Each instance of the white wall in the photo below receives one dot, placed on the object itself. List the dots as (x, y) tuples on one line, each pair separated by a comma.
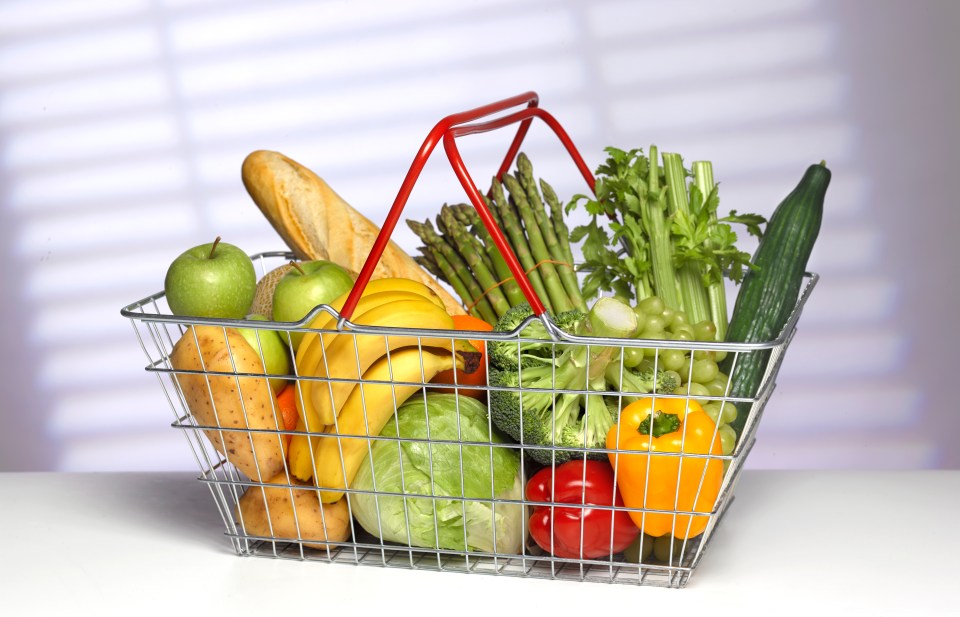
[(123, 124)]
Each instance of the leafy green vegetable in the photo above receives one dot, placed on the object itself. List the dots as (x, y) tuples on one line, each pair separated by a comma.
[(443, 491), (667, 238)]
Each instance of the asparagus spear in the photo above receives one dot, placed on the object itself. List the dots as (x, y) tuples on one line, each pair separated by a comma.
[(564, 267), (518, 241), (494, 213), (472, 255), (466, 244), (551, 279), (428, 263), (476, 241), (462, 214), (469, 217), (556, 215), (470, 292), (440, 267)]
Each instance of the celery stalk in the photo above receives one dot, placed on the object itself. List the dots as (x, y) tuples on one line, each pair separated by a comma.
[(716, 292), (693, 294), (682, 253), (652, 214)]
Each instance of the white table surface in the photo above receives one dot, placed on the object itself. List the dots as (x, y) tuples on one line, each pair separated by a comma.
[(850, 543)]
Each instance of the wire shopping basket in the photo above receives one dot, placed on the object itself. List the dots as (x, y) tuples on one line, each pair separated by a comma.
[(390, 458)]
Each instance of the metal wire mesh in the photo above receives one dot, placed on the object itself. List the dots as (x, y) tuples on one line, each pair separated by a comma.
[(229, 423)]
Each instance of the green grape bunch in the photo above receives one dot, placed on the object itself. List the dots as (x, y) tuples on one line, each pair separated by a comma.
[(697, 371)]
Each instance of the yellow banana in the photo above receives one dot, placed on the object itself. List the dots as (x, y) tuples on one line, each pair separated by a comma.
[(310, 352), (367, 410), (300, 452), (349, 355), (310, 356), (325, 321)]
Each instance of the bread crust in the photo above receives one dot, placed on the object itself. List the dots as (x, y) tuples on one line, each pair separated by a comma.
[(316, 223)]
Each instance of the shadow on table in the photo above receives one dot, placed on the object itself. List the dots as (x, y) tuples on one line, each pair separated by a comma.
[(169, 503)]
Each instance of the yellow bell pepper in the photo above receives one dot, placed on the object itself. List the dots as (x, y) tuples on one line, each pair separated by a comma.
[(661, 478)]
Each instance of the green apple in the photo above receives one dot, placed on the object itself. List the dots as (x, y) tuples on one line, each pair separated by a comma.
[(273, 351), (306, 286), (211, 280)]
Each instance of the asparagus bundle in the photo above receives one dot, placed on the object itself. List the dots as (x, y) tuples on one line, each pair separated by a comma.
[(461, 252)]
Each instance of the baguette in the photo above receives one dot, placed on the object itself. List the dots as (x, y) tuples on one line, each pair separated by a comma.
[(316, 223)]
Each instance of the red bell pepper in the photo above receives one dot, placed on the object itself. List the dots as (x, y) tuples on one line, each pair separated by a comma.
[(559, 530)]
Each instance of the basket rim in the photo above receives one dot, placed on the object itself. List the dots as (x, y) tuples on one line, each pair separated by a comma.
[(136, 311)]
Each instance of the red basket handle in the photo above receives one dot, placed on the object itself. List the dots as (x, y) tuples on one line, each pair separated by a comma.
[(448, 129)]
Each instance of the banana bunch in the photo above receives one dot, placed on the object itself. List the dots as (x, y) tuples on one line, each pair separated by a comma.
[(350, 383)]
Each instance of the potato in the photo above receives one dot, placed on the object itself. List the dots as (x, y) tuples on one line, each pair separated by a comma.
[(257, 455), (317, 522)]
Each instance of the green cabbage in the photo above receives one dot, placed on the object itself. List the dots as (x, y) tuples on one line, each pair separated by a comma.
[(459, 524)]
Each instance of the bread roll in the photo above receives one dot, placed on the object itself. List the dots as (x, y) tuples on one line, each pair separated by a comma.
[(316, 223)]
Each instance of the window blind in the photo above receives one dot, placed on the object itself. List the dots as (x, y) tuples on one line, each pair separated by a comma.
[(123, 125)]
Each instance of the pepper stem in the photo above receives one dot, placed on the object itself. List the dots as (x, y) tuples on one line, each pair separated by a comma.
[(663, 424)]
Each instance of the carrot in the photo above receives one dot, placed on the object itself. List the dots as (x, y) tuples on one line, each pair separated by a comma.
[(478, 377), (287, 406)]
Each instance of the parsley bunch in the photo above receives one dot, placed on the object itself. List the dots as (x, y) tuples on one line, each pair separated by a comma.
[(666, 240)]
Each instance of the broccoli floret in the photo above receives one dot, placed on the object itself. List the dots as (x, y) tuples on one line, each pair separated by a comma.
[(510, 354), (591, 431), (516, 315), (539, 410), (539, 415), (640, 380)]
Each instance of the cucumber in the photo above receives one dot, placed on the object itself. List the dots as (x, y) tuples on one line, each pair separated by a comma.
[(768, 294)]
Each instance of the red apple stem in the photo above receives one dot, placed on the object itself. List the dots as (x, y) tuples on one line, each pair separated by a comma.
[(297, 266), (214, 247)]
